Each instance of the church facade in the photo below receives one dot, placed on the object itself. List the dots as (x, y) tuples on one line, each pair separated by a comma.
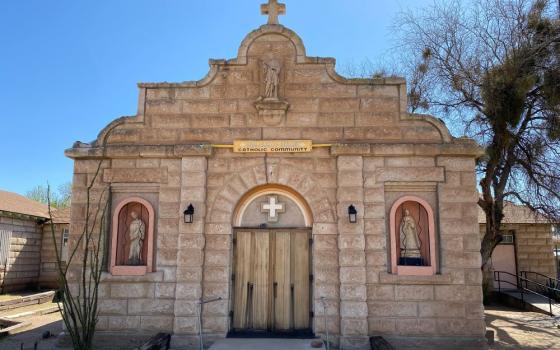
[(290, 198)]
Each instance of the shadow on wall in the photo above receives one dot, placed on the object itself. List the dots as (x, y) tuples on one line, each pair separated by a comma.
[(27, 257)]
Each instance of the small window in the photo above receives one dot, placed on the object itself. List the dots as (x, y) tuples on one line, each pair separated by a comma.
[(5, 239), (64, 245), (65, 235), (507, 238)]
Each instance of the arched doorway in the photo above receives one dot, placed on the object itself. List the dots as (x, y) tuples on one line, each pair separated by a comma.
[(272, 276)]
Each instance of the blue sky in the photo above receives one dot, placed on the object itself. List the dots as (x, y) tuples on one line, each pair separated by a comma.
[(67, 67)]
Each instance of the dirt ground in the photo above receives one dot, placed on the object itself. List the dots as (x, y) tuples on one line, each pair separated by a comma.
[(33, 333), (514, 329)]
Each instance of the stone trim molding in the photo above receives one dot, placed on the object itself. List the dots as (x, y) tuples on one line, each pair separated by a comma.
[(143, 150), (437, 123), (246, 180), (413, 270), (119, 270), (459, 147), (257, 192)]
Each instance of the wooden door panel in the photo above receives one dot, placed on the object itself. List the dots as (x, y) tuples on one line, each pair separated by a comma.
[(271, 286), (300, 279), (282, 281), (242, 279), (261, 280)]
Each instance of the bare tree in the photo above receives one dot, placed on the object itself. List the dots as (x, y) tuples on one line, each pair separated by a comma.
[(492, 66), (80, 275)]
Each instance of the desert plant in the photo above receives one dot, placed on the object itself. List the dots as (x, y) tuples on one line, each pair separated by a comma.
[(80, 276)]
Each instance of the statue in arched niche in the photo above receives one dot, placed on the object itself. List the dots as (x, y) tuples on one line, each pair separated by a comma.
[(410, 242), (136, 234), (271, 79)]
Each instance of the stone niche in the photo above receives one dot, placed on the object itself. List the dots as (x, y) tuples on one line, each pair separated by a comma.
[(412, 227), (132, 237)]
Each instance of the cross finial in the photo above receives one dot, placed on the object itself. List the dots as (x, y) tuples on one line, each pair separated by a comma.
[(273, 9)]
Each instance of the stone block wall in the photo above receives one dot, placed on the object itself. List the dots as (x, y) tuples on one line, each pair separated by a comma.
[(535, 248), (350, 261), (132, 302), (352, 257), (23, 267), (49, 271), (450, 302)]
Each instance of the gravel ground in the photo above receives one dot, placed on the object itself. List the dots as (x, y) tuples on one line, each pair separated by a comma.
[(514, 329)]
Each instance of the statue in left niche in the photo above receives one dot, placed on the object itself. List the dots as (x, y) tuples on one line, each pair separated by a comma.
[(136, 234)]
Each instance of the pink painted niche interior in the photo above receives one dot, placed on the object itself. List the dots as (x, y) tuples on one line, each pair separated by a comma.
[(132, 238), (423, 218)]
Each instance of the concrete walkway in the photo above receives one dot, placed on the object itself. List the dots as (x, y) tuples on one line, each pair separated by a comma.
[(260, 344), (521, 330), (537, 301)]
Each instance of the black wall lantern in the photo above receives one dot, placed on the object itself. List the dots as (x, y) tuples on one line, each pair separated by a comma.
[(352, 214), (188, 214)]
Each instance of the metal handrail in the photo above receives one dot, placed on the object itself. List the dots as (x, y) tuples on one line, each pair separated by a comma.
[(200, 303), (551, 280), (539, 274), (519, 285)]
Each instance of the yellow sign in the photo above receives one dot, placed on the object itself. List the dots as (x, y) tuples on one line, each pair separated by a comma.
[(273, 146)]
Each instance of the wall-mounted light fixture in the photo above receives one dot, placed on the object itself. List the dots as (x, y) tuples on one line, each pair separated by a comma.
[(188, 214), (352, 214)]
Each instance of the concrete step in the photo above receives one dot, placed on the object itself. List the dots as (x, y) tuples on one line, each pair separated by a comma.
[(263, 343), (34, 310), (18, 301), (537, 303), (7, 326)]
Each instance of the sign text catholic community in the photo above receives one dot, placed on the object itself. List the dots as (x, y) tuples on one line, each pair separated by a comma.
[(272, 146)]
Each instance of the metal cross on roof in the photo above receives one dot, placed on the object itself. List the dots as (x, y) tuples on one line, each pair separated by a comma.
[(273, 9)]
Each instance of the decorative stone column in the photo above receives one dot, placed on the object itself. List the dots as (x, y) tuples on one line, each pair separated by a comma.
[(190, 254), (352, 259)]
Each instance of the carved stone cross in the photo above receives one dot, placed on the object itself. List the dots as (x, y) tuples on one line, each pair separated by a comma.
[(273, 208), (273, 9)]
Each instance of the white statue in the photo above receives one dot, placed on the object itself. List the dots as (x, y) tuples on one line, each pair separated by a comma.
[(136, 233), (271, 80), (410, 242)]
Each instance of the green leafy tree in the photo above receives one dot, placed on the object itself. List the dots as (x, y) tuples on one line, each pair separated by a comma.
[(59, 199), (491, 68)]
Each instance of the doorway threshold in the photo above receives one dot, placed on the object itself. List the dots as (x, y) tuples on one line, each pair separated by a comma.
[(251, 333)]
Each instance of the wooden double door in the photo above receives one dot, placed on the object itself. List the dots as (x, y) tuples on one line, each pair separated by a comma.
[(272, 280)]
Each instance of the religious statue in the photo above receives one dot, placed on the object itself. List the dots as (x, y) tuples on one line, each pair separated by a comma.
[(410, 242), (136, 234), (271, 80)]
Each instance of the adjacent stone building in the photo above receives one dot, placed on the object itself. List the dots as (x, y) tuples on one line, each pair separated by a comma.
[(527, 248), (27, 259), (291, 193)]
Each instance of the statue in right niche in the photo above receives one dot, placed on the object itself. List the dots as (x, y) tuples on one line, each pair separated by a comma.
[(410, 242)]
